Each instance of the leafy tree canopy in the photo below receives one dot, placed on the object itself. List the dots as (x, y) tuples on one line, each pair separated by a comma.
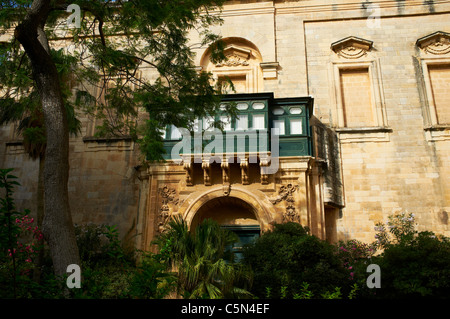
[(101, 64)]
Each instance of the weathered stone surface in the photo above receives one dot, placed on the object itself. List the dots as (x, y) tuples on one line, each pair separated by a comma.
[(394, 158)]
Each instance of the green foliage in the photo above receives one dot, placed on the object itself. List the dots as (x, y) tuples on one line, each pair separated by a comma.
[(152, 280), (109, 272), (413, 264), (104, 71), (203, 260), (336, 294), (9, 232), (20, 101), (20, 243), (287, 257), (100, 244), (355, 257), (399, 229), (304, 293)]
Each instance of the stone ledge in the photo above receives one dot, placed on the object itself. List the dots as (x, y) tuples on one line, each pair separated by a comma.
[(118, 143), (363, 134), (439, 132)]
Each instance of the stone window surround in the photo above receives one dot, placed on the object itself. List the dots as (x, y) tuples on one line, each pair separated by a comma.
[(355, 53), (433, 130), (434, 49), (380, 131)]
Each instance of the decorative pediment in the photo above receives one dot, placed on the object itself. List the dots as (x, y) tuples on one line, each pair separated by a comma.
[(436, 43), (352, 47), (235, 56)]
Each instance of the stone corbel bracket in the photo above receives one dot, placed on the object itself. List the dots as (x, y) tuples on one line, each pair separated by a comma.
[(270, 70), (264, 163), (206, 172), (244, 171)]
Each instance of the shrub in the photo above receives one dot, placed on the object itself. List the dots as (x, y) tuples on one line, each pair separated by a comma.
[(20, 242), (106, 269), (413, 264), (151, 280), (355, 256), (287, 257)]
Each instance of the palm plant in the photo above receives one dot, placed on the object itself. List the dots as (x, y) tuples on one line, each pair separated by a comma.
[(204, 261)]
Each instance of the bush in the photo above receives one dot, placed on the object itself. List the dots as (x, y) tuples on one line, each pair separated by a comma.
[(20, 244), (413, 264), (420, 268), (355, 256), (106, 268), (284, 259)]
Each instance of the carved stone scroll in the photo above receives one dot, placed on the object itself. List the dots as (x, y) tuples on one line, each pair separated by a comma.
[(168, 196), (264, 163), (244, 171), (189, 173), (225, 171), (206, 172), (286, 194)]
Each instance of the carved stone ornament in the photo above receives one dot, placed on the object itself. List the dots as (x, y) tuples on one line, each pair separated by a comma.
[(206, 172), (168, 195), (264, 163), (286, 194), (437, 43), (233, 60), (235, 56), (352, 47)]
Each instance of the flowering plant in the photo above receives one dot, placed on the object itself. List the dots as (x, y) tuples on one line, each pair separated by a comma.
[(398, 229), (19, 239), (29, 242), (354, 252)]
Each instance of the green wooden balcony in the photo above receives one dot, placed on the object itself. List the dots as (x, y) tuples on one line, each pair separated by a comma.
[(263, 124)]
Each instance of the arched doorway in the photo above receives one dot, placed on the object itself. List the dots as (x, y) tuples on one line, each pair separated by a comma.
[(227, 211), (245, 213), (252, 203), (233, 214)]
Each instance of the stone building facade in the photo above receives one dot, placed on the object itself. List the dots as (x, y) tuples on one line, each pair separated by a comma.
[(372, 82)]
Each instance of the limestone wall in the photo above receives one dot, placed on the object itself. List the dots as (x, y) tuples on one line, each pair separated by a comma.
[(397, 161)]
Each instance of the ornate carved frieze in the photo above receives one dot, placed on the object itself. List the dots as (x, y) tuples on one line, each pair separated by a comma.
[(233, 60), (352, 47), (168, 196), (437, 43), (286, 194), (235, 56)]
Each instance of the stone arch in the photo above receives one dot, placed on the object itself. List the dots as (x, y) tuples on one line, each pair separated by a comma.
[(255, 202), (242, 67)]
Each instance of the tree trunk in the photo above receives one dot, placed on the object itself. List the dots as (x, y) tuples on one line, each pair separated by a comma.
[(40, 212), (57, 224)]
